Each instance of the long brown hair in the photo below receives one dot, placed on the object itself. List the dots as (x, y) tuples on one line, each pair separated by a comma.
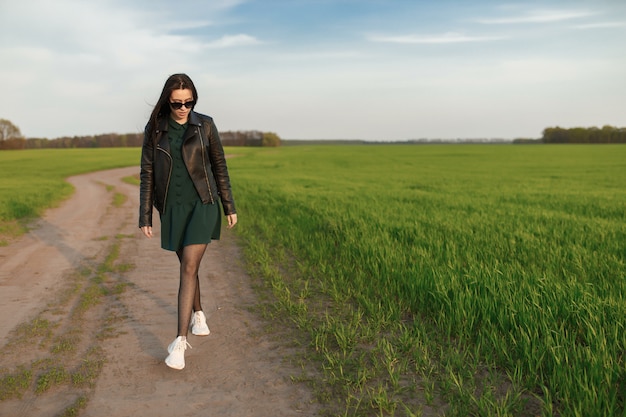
[(162, 108)]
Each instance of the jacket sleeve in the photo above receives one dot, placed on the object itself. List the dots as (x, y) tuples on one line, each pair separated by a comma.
[(146, 186), (219, 168)]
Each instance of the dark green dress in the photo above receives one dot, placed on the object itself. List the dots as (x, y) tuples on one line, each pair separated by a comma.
[(185, 220)]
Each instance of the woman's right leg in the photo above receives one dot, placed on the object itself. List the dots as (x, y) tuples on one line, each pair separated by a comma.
[(190, 257), (197, 304)]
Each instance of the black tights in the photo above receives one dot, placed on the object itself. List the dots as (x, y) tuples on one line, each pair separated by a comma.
[(189, 288)]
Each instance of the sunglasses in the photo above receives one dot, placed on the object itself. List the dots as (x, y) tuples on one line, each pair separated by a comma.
[(178, 106)]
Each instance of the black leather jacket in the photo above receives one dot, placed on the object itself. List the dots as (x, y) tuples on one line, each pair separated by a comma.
[(204, 157)]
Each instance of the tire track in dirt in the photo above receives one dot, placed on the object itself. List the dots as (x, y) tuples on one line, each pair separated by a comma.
[(238, 370)]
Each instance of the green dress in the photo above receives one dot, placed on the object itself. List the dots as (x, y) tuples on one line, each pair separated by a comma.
[(185, 220)]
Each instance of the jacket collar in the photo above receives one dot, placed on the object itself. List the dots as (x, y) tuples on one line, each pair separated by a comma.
[(194, 119)]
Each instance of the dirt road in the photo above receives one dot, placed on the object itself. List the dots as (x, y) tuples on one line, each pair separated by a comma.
[(89, 306)]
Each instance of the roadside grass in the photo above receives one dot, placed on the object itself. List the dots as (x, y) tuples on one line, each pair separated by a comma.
[(470, 280), (15, 383), (74, 409), (9, 229), (57, 334), (83, 292), (132, 180), (119, 199)]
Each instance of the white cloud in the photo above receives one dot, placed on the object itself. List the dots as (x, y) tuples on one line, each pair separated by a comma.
[(601, 25), (450, 37), (538, 16), (177, 25), (113, 60), (229, 41)]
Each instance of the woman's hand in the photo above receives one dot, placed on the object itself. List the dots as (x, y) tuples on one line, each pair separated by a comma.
[(232, 220), (147, 230)]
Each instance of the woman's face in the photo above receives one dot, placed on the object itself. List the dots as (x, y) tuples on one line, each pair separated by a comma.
[(181, 96)]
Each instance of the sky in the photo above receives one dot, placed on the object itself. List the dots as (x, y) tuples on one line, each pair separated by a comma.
[(381, 70)]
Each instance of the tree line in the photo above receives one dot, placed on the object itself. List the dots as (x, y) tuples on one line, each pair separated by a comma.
[(606, 134), (12, 138)]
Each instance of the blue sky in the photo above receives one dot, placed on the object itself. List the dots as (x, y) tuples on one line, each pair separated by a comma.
[(343, 69)]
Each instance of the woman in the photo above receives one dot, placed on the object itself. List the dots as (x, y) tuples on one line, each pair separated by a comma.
[(184, 175)]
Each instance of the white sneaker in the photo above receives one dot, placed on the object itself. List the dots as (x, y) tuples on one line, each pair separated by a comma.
[(176, 350), (198, 324)]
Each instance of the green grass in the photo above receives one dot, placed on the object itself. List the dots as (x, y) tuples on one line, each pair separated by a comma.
[(14, 384), (133, 180), (53, 376), (498, 272), (74, 409), (33, 180), (475, 280), (65, 363)]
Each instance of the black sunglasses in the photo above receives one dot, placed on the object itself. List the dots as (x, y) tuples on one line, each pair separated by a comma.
[(178, 106)]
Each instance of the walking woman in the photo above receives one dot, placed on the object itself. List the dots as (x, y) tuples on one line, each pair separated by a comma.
[(184, 176)]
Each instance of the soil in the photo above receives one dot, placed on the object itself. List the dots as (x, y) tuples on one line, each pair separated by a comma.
[(108, 356)]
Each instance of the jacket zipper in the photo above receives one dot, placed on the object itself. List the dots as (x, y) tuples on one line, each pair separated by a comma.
[(169, 175), (206, 175)]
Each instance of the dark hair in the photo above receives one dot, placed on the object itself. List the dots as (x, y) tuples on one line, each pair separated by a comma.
[(162, 108)]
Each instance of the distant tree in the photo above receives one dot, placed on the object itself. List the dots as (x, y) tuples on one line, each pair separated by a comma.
[(242, 138), (270, 139), (555, 135), (527, 141), (10, 136), (37, 143), (608, 134), (9, 131)]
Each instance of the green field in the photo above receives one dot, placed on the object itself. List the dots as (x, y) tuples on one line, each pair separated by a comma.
[(472, 279), (491, 278)]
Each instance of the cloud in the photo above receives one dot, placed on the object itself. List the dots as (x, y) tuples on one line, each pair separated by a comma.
[(601, 25), (323, 55), (103, 63), (186, 25), (230, 41), (538, 16), (445, 38)]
